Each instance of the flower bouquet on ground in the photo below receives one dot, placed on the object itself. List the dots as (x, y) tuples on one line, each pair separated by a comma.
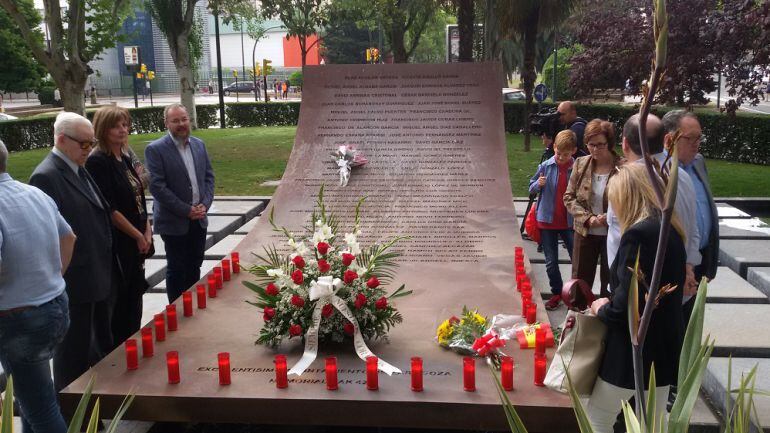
[(346, 158), (326, 288)]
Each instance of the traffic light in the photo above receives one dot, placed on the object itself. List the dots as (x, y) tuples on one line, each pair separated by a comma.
[(143, 68), (266, 68), (235, 73), (368, 55), (151, 75)]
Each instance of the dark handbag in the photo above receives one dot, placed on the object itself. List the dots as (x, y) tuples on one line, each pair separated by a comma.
[(577, 295)]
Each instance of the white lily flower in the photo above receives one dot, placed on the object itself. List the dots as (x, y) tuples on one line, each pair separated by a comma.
[(275, 272)]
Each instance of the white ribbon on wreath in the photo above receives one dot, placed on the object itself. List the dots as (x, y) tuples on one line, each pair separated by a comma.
[(323, 290)]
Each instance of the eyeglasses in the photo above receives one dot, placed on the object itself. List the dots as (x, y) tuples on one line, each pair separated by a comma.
[(597, 145), (693, 140), (84, 145)]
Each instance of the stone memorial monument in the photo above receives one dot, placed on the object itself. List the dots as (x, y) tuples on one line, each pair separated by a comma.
[(437, 172)]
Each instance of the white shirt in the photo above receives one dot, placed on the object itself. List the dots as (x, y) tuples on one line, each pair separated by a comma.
[(598, 185), (684, 207), (183, 146)]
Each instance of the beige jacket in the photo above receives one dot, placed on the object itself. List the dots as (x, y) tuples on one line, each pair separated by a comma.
[(579, 192)]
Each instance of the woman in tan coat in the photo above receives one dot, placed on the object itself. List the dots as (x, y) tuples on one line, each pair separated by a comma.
[(586, 201)]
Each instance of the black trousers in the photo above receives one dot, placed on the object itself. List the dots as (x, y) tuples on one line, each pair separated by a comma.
[(88, 340), (184, 255)]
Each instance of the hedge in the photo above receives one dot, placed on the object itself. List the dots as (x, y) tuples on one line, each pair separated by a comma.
[(744, 138)]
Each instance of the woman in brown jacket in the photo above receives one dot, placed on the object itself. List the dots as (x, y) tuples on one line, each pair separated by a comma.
[(586, 200)]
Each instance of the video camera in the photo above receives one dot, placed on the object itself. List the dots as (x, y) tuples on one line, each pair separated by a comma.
[(546, 121)]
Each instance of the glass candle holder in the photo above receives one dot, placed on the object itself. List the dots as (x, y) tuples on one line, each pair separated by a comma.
[(532, 313), (212, 283), (236, 262), (132, 355), (223, 359), (372, 379), (171, 317), (524, 306), (187, 305), (226, 269), (331, 373), (218, 276), (201, 292), (160, 327), (147, 344), (281, 372), (540, 368), (469, 374), (540, 340), (416, 374), (172, 364), (506, 373)]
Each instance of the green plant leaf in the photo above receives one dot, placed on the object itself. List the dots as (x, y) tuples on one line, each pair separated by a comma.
[(113, 427), (80, 412), (632, 423), (6, 425), (514, 421), (693, 336), (93, 422), (687, 392), (584, 424), (651, 416)]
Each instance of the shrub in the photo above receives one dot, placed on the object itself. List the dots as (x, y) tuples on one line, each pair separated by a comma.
[(296, 79), (45, 95), (262, 114), (563, 67)]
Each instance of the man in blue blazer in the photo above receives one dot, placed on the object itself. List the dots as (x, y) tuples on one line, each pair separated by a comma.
[(182, 184)]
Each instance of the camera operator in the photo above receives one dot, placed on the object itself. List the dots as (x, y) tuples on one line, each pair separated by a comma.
[(569, 118)]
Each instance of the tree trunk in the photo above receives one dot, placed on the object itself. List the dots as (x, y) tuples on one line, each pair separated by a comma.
[(465, 21), (303, 49), (181, 56), (528, 75), (72, 95), (397, 43)]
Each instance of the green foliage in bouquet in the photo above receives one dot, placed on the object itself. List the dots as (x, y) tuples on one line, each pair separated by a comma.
[(283, 282), (460, 333)]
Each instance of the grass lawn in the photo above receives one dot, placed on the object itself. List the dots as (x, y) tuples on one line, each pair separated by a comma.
[(243, 158)]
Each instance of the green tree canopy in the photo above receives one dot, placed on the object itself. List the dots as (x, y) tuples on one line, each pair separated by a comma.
[(19, 70)]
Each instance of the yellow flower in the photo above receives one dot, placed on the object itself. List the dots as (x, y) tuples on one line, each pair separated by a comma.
[(479, 318), (444, 331)]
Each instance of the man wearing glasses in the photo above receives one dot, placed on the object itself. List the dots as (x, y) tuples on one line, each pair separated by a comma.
[(688, 144), (62, 175)]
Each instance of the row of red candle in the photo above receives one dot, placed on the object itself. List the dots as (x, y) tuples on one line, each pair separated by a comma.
[(529, 311), (372, 375), (170, 318)]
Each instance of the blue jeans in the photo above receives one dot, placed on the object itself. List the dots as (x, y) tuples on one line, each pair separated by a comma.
[(550, 241), (184, 257), (28, 339)]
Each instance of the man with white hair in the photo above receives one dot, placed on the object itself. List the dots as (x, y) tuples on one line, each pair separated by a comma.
[(62, 175), (35, 249)]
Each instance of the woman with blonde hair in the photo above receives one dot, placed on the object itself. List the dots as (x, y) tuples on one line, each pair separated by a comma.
[(586, 200), (633, 200), (111, 167)]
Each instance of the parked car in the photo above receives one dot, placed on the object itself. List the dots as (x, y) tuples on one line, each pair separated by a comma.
[(510, 94), (4, 116), (239, 87)]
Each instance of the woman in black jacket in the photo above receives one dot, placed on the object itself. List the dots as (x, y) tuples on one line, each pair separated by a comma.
[(632, 196), (111, 168)]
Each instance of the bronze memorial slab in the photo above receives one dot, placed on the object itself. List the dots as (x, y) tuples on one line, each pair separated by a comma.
[(437, 172)]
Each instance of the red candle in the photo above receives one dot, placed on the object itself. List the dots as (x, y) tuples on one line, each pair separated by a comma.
[(506, 372), (171, 316), (540, 363), (469, 374), (281, 374), (524, 306), (172, 363), (147, 345), (540, 340), (371, 373), (518, 251), (201, 291), (331, 373), (218, 276), (187, 303), (224, 368), (520, 282), (416, 374), (212, 280), (132, 355), (526, 285), (236, 260), (520, 269), (160, 327), (532, 313), (226, 269)]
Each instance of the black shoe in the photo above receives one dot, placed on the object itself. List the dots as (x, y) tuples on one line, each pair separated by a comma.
[(539, 248)]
